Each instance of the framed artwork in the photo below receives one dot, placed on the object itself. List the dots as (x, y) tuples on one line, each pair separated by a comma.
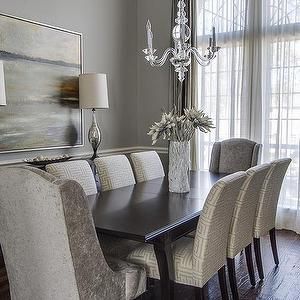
[(41, 68)]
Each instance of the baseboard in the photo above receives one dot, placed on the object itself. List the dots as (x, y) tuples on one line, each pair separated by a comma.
[(105, 152)]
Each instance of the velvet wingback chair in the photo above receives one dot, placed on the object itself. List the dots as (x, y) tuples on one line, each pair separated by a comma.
[(50, 246), (233, 155)]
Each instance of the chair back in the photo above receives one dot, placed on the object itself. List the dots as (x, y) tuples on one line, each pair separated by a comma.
[(241, 233), (147, 165), (210, 244), (114, 172), (49, 242), (234, 155), (78, 170), (269, 196)]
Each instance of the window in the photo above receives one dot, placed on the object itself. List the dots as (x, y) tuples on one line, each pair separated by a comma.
[(281, 90), (252, 89), (220, 84)]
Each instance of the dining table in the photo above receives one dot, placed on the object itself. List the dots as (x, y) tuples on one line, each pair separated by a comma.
[(147, 212)]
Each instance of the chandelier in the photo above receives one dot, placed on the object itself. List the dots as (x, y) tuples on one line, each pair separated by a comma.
[(182, 52)]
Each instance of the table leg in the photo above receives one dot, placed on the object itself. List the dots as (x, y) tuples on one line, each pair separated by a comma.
[(166, 271)]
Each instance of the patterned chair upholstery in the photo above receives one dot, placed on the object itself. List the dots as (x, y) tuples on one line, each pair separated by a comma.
[(114, 172), (78, 170), (267, 205), (50, 246), (197, 260), (241, 233), (147, 165), (234, 155), (266, 210), (240, 236)]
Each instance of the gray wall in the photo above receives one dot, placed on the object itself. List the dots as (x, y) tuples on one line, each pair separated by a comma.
[(114, 35), (152, 83), (110, 43)]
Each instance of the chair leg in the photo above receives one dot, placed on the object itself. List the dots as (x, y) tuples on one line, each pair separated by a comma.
[(150, 288), (201, 293), (274, 246), (232, 278), (150, 282), (258, 259), (248, 251), (223, 284)]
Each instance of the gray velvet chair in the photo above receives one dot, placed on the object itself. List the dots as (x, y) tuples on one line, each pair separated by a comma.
[(50, 246), (233, 155)]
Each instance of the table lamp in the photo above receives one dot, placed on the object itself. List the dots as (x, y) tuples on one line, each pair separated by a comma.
[(2, 85), (93, 95)]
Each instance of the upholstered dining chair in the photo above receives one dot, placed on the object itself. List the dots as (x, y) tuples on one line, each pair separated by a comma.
[(266, 210), (78, 170), (241, 234), (147, 165), (49, 242), (234, 155), (114, 172), (197, 260)]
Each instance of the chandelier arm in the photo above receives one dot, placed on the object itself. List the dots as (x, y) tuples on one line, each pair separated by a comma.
[(202, 60), (159, 62)]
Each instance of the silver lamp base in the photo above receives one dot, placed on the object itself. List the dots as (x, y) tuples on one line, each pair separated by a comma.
[(94, 135)]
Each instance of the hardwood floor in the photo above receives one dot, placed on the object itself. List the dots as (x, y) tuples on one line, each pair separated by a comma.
[(280, 283)]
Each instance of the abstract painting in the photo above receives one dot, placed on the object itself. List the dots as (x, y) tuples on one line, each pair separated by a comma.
[(41, 68)]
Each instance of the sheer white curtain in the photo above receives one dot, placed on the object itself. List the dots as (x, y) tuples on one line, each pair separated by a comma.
[(252, 89), (220, 84), (281, 99)]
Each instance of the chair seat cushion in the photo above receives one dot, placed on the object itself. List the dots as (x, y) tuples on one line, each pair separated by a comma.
[(182, 251), (135, 276)]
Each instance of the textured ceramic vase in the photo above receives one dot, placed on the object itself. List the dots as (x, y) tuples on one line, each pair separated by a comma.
[(179, 167)]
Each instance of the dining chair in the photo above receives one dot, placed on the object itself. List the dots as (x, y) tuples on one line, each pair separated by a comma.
[(266, 210), (195, 261), (114, 172), (78, 170), (241, 233), (147, 165), (234, 155), (50, 246)]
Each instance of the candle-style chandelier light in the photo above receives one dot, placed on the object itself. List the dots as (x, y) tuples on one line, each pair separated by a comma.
[(182, 52)]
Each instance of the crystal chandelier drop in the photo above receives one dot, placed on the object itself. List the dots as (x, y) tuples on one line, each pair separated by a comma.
[(182, 52)]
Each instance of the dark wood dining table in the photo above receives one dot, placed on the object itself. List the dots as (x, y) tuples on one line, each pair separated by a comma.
[(149, 213)]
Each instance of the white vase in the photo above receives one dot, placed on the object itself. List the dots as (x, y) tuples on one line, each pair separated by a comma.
[(179, 167)]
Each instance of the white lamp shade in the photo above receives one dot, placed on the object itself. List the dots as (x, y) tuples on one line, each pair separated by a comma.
[(93, 91), (2, 85)]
